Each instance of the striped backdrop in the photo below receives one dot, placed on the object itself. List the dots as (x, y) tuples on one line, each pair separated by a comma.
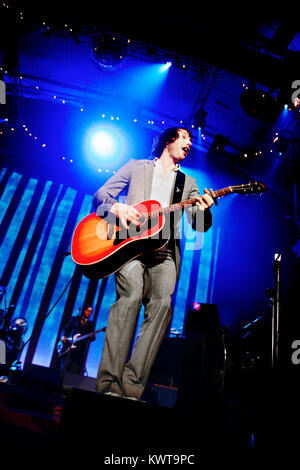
[(37, 220)]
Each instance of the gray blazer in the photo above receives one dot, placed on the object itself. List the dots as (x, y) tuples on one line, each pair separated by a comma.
[(136, 177)]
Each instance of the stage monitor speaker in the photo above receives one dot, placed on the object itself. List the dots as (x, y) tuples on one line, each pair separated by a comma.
[(82, 382), (116, 427), (201, 319), (44, 378), (202, 371), (160, 395)]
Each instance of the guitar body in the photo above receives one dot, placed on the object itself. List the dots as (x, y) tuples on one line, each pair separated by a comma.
[(63, 349), (100, 248)]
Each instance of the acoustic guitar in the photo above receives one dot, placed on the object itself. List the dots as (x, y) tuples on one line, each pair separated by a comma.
[(101, 248)]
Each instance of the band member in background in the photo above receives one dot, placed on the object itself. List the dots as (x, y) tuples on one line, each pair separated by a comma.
[(75, 357), (12, 341), (151, 278)]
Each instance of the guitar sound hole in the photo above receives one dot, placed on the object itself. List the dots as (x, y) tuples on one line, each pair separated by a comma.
[(142, 220)]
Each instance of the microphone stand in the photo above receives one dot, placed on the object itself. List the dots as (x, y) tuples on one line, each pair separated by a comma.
[(276, 311)]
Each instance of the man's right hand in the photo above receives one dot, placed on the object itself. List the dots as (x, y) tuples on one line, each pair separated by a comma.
[(126, 214)]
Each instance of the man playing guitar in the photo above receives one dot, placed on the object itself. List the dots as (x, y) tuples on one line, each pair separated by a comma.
[(150, 278), (72, 357)]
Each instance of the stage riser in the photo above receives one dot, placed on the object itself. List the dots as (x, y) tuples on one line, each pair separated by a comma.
[(125, 427)]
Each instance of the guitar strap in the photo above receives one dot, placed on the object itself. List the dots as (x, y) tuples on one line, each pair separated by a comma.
[(177, 197), (178, 187)]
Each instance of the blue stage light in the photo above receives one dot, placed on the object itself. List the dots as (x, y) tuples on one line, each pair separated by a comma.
[(102, 143), (165, 67)]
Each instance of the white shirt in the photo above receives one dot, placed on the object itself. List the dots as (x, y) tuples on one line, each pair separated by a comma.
[(162, 185)]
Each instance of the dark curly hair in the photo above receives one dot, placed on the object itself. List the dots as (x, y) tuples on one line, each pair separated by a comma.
[(165, 138)]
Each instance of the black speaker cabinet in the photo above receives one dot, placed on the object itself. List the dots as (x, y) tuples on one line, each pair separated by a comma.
[(46, 378), (113, 428), (82, 382), (113, 425), (203, 360)]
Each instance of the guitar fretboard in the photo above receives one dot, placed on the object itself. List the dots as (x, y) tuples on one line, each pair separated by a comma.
[(188, 202)]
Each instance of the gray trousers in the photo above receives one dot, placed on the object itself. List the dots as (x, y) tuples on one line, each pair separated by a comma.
[(150, 280)]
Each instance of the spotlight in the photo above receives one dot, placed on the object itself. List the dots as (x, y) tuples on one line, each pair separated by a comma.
[(196, 306), (297, 102), (102, 143), (165, 67), (109, 52)]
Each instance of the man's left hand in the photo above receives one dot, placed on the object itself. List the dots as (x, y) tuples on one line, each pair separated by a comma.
[(205, 201)]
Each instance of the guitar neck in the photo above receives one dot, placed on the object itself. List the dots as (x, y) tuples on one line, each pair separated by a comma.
[(80, 338), (188, 202)]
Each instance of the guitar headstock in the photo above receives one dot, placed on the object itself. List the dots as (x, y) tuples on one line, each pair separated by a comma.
[(250, 188)]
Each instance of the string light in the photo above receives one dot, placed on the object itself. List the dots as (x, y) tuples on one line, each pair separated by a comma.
[(104, 115), (44, 146), (146, 122), (261, 152)]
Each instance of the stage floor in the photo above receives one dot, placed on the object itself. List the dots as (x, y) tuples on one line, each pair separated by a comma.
[(45, 416)]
